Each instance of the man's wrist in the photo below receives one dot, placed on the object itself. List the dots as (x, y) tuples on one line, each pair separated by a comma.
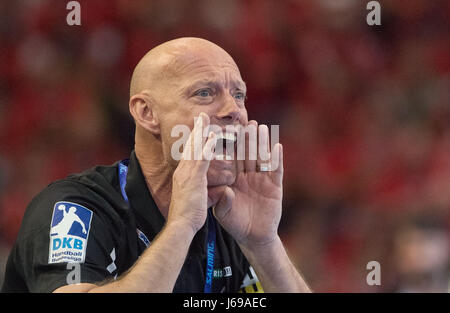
[(262, 249), (180, 227)]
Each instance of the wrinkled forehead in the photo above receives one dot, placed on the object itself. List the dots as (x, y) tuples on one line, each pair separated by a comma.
[(209, 64)]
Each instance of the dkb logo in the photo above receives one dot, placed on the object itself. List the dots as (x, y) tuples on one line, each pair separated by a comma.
[(69, 232)]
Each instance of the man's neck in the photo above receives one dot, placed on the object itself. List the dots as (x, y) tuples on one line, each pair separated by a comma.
[(157, 174)]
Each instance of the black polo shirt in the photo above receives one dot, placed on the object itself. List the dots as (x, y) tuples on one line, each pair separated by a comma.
[(84, 219)]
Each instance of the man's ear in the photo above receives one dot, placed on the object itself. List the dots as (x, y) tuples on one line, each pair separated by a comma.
[(142, 109)]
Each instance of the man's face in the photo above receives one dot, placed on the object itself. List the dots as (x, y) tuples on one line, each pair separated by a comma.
[(209, 83)]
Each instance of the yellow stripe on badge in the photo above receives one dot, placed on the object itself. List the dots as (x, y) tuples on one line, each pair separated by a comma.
[(253, 288)]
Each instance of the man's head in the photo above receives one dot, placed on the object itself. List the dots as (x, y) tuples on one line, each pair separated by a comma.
[(175, 82)]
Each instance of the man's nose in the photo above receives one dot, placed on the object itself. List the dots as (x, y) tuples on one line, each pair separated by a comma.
[(230, 111)]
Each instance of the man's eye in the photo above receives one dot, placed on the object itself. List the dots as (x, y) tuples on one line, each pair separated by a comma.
[(203, 93), (239, 96)]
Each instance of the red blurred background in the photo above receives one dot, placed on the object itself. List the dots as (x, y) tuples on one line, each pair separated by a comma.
[(364, 115)]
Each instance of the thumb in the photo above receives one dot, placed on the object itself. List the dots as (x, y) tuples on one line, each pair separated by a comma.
[(214, 195), (224, 204)]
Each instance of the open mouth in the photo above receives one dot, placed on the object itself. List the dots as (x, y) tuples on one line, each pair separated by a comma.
[(226, 146)]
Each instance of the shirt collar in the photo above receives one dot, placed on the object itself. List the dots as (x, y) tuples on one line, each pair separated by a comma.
[(140, 199)]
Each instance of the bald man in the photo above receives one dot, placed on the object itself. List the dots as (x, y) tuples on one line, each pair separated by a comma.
[(156, 223)]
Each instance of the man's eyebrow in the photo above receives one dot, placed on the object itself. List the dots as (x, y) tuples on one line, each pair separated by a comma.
[(207, 82), (241, 85), (237, 84)]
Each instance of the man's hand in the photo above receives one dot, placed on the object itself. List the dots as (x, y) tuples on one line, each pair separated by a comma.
[(189, 190), (250, 209)]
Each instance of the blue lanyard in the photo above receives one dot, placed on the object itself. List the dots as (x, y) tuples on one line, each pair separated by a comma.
[(123, 172), (210, 248), (211, 240)]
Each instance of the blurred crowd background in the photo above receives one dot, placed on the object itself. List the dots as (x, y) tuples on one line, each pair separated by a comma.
[(364, 115)]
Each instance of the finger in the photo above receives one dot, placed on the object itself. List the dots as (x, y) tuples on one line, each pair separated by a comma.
[(189, 145), (240, 149), (209, 147), (208, 153), (198, 131), (214, 194), (224, 205), (195, 141), (277, 164), (263, 160), (251, 137)]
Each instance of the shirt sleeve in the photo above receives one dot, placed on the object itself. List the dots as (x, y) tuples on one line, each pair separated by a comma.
[(64, 239)]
